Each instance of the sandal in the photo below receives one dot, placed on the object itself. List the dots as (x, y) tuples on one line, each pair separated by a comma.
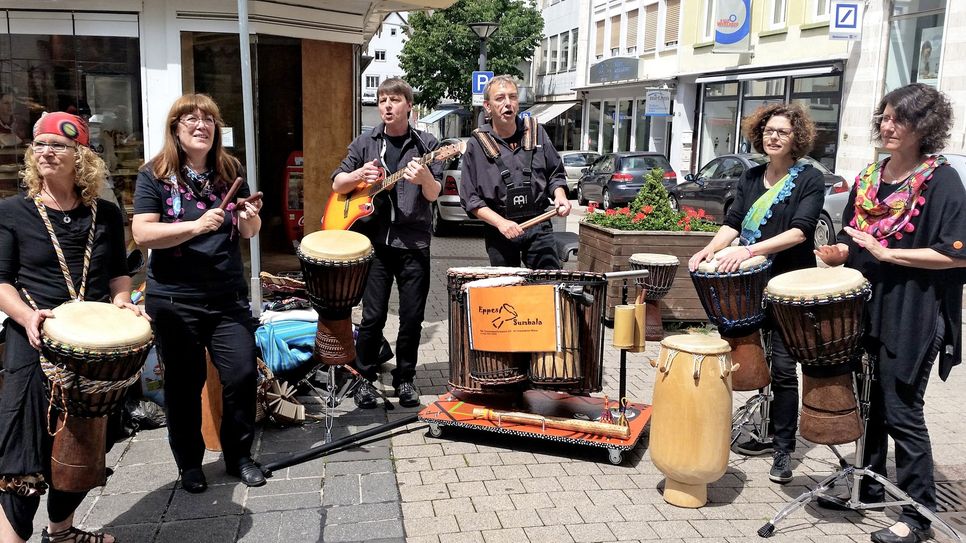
[(72, 535)]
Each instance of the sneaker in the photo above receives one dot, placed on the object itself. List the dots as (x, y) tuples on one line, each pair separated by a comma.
[(408, 395), (365, 396), (781, 468), (753, 447)]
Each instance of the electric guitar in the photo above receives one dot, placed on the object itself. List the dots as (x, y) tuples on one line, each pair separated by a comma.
[(342, 210)]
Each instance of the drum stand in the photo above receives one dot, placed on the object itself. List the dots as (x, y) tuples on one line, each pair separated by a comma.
[(758, 404), (853, 475)]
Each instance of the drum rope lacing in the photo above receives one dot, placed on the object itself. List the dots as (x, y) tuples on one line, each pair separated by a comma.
[(697, 361), (714, 307)]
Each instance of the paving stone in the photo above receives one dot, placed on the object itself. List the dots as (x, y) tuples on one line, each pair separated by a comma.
[(274, 487), (358, 466), (538, 500), (222, 529), (424, 492), (284, 502), (124, 532), (558, 516), (492, 503), (217, 501), (637, 530), (486, 520), (504, 487), (506, 535), (364, 531), (379, 487), (341, 490), (444, 524), (453, 506), (133, 508), (478, 473), (588, 533), (519, 518), (141, 478)]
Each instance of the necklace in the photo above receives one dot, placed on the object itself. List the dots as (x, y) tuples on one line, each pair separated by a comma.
[(66, 218)]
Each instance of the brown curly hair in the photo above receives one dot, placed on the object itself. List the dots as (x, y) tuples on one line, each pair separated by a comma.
[(803, 128), (924, 110), (90, 173)]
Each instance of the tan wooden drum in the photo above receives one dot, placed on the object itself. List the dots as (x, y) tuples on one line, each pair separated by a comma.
[(460, 381), (691, 416), (91, 352), (733, 304), (819, 314), (661, 270), (335, 267), (491, 368)]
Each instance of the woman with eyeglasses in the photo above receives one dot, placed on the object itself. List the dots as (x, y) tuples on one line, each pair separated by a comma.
[(774, 213), (906, 229), (197, 294), (52, 238)]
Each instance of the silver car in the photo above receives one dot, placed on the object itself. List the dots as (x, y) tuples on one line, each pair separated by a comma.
[(447, 208), (574, 162)]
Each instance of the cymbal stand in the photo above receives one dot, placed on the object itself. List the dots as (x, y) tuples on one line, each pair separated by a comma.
[(852, 475), (759, 403)]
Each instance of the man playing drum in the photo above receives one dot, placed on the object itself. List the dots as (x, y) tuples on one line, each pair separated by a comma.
[(400, 231)]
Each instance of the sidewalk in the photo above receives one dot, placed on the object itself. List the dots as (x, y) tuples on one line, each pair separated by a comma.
[(475, 486)]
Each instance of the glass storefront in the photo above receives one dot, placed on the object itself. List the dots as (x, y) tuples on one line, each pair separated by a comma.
[(564, 129), (624, 126), (607, 132), (718, 120), (624, 119), (915, 43), (84, 63), (642, 128), (593, 125)]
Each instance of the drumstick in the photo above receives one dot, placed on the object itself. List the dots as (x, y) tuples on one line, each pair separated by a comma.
[(253, 198), (231, 193), (586, 426), (538, 219)]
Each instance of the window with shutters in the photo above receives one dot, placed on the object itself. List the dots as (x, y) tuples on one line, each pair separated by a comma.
[(599, 40), (650, 27), (564, 52), (672, 21), (554, 54), (615, 35), (632, 26)]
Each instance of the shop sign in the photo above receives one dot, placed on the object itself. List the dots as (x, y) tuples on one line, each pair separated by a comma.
[(846, 20), (614, 69), (657, 103), (732, 26)]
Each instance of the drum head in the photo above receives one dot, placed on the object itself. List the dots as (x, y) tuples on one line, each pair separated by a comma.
[(337, 245), (653, 259), (696, 344), (504, 281), (96, 325), (815, 282), (711, 267), (485, 271)]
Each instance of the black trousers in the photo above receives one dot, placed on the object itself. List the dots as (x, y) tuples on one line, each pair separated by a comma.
[(784, 389), (410, 269), (535, 249), (183, 329), (896, 411)]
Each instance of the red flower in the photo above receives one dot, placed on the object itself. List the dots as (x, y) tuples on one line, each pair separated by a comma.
[(591, 207), (611, 212), (648, 209), (701, 213), (687, 228), (639, 217), (624, 211)]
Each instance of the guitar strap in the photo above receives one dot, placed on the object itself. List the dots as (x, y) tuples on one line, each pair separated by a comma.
[(519, 201)]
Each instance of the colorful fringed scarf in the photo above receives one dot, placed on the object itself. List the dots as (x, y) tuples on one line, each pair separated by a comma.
[(761, 210)]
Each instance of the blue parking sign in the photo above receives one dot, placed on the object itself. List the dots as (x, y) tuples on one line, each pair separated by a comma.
[(480, 79)]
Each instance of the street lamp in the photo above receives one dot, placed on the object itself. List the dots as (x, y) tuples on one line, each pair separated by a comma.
[(484, 30)]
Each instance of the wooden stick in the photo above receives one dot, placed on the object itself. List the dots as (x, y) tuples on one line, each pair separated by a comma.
[(231, 193), (586, 426), (253, 198), (538, 219)]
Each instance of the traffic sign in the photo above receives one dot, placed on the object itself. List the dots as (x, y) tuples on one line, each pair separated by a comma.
[(846, 20), (480, 79), (477, 100)]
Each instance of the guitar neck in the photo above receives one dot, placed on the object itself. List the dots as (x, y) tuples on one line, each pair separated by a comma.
[(391, 180)]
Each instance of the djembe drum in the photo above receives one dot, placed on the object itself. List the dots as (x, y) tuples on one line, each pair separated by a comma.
[(660, 276), (91, 352), (733, 304), (691, 416), (460, 381), (818, 312), (335, 267), (579, 366), (491, 368)]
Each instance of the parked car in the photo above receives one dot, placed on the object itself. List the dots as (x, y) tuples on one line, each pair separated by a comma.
[(714, 187), (574, 163), (447, 210), (615, 178), (369, 97)]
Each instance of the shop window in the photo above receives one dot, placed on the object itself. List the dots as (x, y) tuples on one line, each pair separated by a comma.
[(915, 47), (821, 97), (607, 129), (765, 87), (624, 122), (718, 127), (641, 128), (593, 126)]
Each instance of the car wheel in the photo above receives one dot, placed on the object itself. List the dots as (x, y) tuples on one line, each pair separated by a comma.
[(581, 200), (824, 231), (606, 203), (439, 224), (673, 202)]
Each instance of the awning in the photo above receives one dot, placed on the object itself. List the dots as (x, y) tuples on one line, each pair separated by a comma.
[(547, 112), (743, 76), (436, 115)]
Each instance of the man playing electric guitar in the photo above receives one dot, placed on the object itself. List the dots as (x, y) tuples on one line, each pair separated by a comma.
[(400, 236)]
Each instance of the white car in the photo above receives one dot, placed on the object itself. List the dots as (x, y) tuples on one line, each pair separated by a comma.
[(574, 163), (369, 97), (447, 209)]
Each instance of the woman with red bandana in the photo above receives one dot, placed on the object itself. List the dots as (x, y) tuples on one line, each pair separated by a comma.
[(54, 222), (906, 222)]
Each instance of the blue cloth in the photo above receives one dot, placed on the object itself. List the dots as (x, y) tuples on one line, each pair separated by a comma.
[(286, 345)]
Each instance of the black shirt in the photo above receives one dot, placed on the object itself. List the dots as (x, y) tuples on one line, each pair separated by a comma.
[(205, 266), (28, 260), (800, 210), (907, 303)]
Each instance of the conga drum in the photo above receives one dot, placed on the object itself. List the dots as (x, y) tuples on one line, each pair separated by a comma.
[(733, 304), (691, 416), (335, 267), (91, 352), (491, 368), (661, 270), (818, 312), (460, 381)]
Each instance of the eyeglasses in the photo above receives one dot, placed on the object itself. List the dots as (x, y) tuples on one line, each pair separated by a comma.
[(881, 119), (191, 120), (780, 133), (59, 148)]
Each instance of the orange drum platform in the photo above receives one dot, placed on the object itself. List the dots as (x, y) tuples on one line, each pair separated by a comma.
[(524, 419)]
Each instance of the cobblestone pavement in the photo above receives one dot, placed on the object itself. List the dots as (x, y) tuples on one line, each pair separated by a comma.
[(474, 486)]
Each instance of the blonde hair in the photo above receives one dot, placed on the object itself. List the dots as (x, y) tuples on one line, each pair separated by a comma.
[(90, 173), (169, 161)]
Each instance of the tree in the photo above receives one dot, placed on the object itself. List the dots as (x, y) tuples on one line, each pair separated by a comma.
[(442, 50)]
